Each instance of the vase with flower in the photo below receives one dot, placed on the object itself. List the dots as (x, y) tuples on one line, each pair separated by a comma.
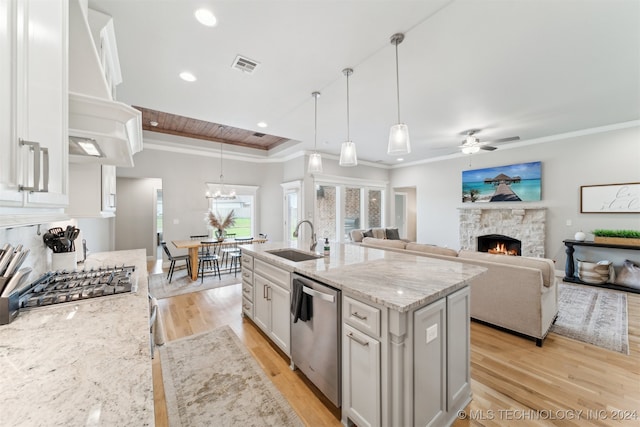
[(220, 223)]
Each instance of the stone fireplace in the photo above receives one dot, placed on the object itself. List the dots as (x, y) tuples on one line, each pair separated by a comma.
[(526, 225)]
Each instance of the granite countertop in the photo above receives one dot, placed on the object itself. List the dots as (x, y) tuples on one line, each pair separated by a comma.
[(395, 280), (86, 363)]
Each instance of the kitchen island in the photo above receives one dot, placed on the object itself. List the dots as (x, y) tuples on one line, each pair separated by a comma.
[(404, 327), (81, 363)]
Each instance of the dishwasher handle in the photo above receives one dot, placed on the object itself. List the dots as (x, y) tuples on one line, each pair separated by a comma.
[(321, 295)]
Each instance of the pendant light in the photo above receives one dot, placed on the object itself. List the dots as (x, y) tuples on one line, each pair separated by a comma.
[(399, 134), (315, 160), (220, 193), (348, 156)]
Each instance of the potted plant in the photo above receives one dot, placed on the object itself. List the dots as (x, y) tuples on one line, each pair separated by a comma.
[(221, 223), (617, 237)]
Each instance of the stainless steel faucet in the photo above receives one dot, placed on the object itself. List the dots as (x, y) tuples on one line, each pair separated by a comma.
[(314, 242)]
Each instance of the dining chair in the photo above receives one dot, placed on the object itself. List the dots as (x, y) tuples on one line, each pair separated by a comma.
[(234, 263), (174, 259), (231, 247), (209, 258)]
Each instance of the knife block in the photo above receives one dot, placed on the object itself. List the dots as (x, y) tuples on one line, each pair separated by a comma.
[(64, 261), (8, 305)]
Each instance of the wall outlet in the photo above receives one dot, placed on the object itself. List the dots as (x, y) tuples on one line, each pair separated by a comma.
[(432, 333), (569, 223), (176, 221)]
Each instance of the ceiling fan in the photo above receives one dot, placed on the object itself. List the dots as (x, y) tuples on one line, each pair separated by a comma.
[(471, 144)]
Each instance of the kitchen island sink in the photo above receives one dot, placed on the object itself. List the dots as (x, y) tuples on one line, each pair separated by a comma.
[(294, 255)]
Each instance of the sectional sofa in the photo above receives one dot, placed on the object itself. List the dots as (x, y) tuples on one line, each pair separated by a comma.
[(516, 293)]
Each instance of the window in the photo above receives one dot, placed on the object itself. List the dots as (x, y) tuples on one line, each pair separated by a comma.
[(243, 206), (344, 206)]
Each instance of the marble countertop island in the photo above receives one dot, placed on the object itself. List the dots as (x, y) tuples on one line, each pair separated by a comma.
[(393, 279), (81, 364)]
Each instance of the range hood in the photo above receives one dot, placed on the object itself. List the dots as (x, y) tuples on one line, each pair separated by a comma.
[(94, 71)]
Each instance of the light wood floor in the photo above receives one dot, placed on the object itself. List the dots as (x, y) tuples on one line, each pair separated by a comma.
[(511, 377)]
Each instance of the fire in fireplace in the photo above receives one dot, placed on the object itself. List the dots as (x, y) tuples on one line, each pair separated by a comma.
[(499, 244)]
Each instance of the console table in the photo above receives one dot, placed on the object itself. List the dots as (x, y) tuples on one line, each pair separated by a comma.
[(569, 268)]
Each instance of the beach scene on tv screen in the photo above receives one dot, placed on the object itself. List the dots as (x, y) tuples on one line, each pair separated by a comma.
[(511, 183)]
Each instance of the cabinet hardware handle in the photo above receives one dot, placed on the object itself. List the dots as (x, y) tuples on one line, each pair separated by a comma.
[(35, 148), (264, 291), (358, 315), (45, 170), (358, 340), (268, 289)]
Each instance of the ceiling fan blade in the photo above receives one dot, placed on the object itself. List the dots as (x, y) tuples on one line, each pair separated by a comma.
[(469, 132), (494, 141), (487, 147)]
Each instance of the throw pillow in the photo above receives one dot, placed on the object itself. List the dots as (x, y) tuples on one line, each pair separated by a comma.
[(629, 275), (392, 234), (368, 233)]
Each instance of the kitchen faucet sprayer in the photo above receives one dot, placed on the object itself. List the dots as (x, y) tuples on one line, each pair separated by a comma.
[(314, 242)]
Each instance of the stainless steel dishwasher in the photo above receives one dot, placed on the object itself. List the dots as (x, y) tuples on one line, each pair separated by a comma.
[(315, 343)]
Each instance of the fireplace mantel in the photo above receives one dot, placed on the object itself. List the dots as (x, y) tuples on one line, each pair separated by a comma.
[(525, 223)]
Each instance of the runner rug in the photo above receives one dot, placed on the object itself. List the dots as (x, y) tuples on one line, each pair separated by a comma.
[(593, 315), (160, 287), (211, 379)]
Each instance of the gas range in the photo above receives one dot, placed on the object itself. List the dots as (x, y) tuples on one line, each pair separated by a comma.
[(58, 287)]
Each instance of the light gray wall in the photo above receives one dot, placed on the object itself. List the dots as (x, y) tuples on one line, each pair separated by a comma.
[(183, 187), (135, 215), (603, 158)]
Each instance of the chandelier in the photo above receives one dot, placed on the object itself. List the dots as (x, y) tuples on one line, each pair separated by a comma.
[(220, 193)]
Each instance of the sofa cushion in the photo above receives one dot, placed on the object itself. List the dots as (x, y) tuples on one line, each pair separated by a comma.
[(392, 234), (384, 243), (545, 266), (379, 233), (367, 233), (431, 249), (356, 235)]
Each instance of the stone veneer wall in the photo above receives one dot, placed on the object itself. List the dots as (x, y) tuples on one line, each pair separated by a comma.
[(524, 224)]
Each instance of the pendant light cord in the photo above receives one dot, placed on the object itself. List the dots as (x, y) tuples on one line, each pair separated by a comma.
[(221, 175), (347, 72), (315, 128), (397, 81)]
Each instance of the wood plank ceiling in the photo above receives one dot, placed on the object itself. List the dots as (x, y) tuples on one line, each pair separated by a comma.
[(173, 124)]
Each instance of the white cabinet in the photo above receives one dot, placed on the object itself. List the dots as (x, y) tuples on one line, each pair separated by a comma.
[(361, 374), (442, 370), (405, 368), (108, 188), (246, 261), (271, 303), (92, 190), (34, 110)]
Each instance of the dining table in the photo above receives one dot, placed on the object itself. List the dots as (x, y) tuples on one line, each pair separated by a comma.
[(194, 245)]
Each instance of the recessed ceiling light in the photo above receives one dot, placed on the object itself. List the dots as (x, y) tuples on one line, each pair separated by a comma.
[(153, 123), (262, 124), (400, 159), (187, 76), (206, 17)]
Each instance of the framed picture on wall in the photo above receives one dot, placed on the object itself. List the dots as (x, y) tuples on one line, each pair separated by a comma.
[(610, 198), (512, 183)]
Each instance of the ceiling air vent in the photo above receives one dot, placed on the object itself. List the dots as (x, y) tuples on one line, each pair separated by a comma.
[(258, 134), (244, 64)]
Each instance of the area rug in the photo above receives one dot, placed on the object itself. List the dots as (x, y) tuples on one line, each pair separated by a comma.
[(211, 379), (593, 315), (181, 284)]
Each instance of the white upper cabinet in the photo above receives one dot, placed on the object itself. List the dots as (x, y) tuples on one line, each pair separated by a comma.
[(33, 111)]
